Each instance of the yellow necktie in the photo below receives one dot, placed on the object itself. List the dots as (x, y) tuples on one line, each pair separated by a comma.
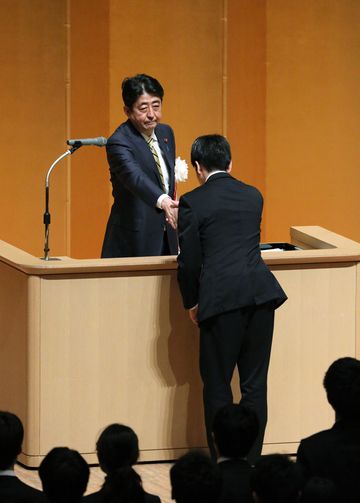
[(157, 161)]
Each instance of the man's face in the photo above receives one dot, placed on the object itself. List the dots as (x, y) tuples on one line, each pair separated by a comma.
[(145, 113)]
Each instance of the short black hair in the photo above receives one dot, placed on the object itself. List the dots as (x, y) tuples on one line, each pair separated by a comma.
[(235, 429), (277, 479), (195, 479), (117, 447), (342, 385), (211, 151), (11, 438), (64, 475), (133, 87)]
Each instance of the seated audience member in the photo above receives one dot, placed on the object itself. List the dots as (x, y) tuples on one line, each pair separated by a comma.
[(117, 450), (320, 490), (195, 479), (235, 429), (12, 489), (64, 475), (123, 486), (335, 453), (276, 479)]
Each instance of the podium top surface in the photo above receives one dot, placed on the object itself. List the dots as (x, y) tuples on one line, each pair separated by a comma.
[(318, 245)]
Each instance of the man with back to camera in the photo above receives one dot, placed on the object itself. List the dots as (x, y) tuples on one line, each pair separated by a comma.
[(12, 489), (141, 156), (335, 453), (229, 291), (235, 428)]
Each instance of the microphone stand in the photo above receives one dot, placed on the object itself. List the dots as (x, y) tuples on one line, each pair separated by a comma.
[(47, 217)]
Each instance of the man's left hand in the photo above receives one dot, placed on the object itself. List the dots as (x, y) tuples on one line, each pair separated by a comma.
[(193, 314)]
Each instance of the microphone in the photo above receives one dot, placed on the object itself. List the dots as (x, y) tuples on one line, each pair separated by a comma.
[(100, 141)]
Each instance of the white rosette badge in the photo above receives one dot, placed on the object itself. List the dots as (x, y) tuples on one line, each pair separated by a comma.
[(181, 170)]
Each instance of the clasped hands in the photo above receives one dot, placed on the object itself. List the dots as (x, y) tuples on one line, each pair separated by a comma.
[(170, 208)]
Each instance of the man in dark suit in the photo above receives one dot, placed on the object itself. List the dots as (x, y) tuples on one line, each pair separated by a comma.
[(225, 284), (235, 429), (12, 489), (335, 453), (141, 156)]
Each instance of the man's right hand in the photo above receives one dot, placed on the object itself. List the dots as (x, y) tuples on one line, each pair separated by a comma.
[(170, 207)]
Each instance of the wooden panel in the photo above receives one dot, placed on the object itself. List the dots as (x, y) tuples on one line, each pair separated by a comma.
[(314, 327), (84, 350), (118, 348)]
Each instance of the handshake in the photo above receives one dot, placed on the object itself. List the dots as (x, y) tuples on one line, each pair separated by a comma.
[(170, 208)]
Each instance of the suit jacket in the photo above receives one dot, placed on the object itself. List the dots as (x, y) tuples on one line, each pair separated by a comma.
[(334, 454), (98, 497), (13, 490), (236, 475), (220, 265), (136, 226)]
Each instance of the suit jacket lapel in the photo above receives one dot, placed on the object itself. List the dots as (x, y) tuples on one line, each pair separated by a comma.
[(165, 149)]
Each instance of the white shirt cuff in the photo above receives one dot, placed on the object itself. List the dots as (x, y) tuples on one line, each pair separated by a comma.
[(160, 200)]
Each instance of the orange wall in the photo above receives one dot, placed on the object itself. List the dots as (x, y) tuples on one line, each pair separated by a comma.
[(279, 77), (181, 44), (246, 89), (88, 117), (32, 125), (313, 116)]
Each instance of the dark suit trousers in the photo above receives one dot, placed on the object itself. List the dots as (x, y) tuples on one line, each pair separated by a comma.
[(241, 338)]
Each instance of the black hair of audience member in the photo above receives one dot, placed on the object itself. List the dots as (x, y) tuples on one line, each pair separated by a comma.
[(319, 490), (117, 447), (11, 438), (134, 87), (276, 479), (195, 479), (123, 486), (342, 386), (64, 475), (235, 429)]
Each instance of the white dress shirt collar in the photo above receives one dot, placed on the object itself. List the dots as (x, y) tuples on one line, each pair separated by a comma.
[(8, 473), (214, 173)]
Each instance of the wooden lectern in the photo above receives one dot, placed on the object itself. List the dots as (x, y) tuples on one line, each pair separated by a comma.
[(85, 343)]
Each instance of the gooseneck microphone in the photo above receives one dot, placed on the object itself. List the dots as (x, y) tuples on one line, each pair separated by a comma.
[(75, 145), (99, 142)]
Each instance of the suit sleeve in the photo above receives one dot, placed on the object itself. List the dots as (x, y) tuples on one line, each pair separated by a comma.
[(190, 256), (125, 168), (302, 460)]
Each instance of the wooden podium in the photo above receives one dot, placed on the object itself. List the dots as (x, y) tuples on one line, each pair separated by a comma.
[(85, 343)]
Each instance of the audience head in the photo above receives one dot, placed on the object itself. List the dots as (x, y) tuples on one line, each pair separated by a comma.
[(134, 87), (342, 385), (117, 447), (212, 152), (319, 490), (11, 438), (64, 475), (276, 479), (123, 485), (195, 479), (235, 429)]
